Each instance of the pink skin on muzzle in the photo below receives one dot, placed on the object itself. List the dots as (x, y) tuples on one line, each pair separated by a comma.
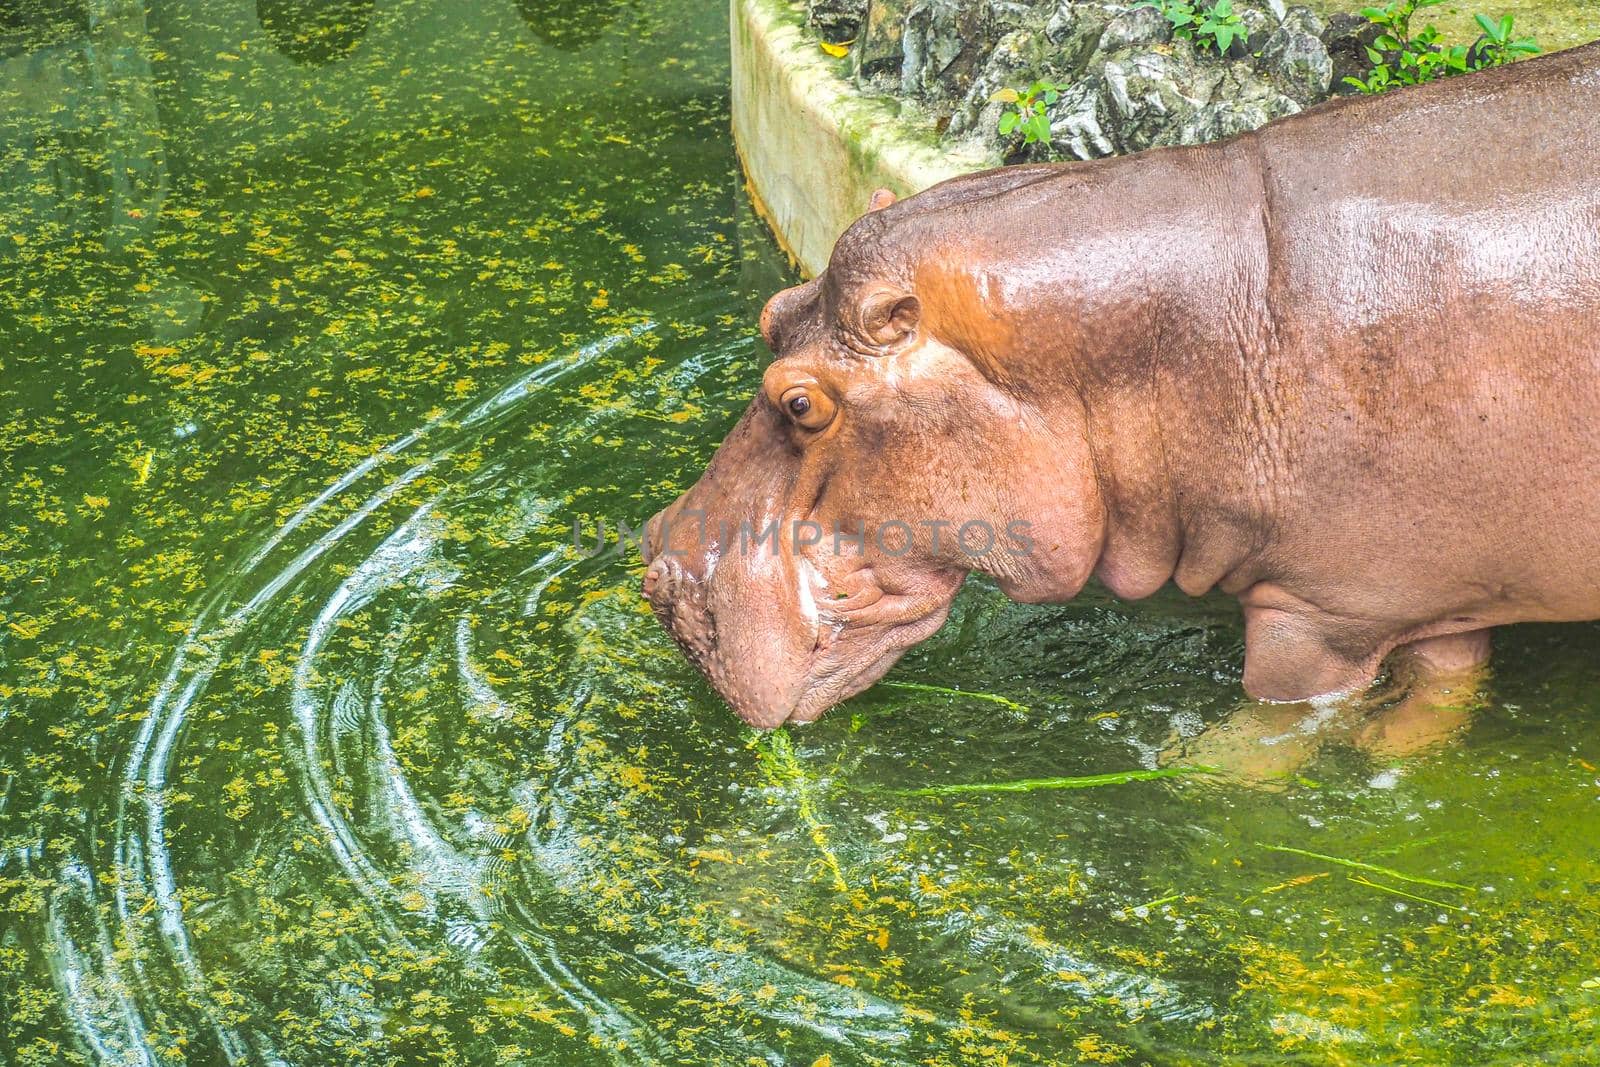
[(786, 625)]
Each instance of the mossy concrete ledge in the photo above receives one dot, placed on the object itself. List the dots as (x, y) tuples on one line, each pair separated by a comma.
[(814, 148)]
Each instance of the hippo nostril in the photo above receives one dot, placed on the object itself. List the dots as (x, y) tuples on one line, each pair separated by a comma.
[(658, 580)]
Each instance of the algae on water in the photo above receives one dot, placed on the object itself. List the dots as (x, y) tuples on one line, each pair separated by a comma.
[(320, 744)]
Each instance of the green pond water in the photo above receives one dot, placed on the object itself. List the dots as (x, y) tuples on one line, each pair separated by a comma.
[(320, 744)]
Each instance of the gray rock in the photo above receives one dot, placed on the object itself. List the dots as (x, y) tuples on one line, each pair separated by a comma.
[(1260, 20), (1008, 16), (1062, 20), (1303, 20), (944, 46), (1128, 85), (1075, 128), (1241, 101), (1149, 95), (1347, 38), (877, 51), (1137, 27), (1153, 97), (836, 21), (1075, 30), (1298, 64)]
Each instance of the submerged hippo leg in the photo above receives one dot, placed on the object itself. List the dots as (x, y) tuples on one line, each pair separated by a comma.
[(1305, 684), (1442, 678), (1444, 657), (1438, 682), (1263, 744)]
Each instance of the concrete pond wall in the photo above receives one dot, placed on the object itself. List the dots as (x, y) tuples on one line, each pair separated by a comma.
[(813, 148)]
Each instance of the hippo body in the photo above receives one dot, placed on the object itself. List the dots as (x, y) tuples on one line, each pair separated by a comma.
[(1345, 368)]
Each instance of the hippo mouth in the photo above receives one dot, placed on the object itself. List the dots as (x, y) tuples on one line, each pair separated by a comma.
[(857, 647), (781, 641)]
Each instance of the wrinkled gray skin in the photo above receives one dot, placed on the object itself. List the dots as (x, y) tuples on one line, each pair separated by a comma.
[(1345, 368)]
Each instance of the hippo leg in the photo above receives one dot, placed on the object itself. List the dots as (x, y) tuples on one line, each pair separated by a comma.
[(1310, 672), (1302, 666), (1443, 682), (1294, 651), (1449, 655), (1264, 744), (1438, 682)]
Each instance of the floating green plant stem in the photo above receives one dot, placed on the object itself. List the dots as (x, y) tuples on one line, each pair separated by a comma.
[(1158, 902), (1411, 844), (1029, 785), (1360, 880), (1360, 866), (992, 698), (775, 752)]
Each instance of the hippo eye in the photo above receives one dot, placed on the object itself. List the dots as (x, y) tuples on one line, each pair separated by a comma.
[(809, 410)]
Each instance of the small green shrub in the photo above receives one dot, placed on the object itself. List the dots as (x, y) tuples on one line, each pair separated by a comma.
[(1497, 47), (1027, 111), (1221, 25), (1217, 26), (1401, 56)]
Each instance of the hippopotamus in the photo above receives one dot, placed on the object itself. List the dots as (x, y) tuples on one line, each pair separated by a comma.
[(1344, 368)]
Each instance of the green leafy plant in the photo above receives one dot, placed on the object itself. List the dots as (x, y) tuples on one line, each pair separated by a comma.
[(784, 771), (1030, 785), (1380, 79), (1402, 56), (1027, 111), (1497, 47), (1217, 26), (1221, 24)]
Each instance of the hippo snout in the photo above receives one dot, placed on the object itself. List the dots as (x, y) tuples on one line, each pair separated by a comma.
[(736, 612), (668, 586), (660, 582), (678, 599), (664, 571)]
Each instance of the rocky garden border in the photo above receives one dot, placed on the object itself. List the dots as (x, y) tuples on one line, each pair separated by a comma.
[(835, 98)]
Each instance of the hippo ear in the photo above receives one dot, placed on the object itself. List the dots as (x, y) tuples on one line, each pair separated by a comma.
[(889, 317), (881, 199)]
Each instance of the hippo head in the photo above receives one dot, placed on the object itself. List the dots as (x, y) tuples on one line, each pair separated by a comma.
[(887, 454)]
